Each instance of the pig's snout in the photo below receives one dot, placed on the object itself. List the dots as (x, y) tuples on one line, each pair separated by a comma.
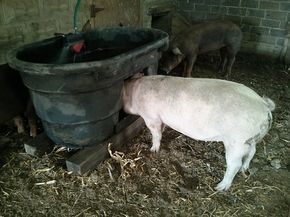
[(177, 51), (164, 71), (169, 61)]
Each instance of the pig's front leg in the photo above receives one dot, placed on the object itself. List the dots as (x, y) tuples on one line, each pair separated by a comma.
[(31, 116), (32, 126), (234, 156), (156, 127), (18, 121)]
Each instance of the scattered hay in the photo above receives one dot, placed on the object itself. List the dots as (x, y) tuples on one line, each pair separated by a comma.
[(127, 165), (177, 181)]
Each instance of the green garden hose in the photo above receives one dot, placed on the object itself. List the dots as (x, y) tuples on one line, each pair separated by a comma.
[(75, 15)]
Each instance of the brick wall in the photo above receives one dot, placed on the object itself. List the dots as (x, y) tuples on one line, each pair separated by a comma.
[(23, 22), (27, 21), (31, 20), (263, 22)]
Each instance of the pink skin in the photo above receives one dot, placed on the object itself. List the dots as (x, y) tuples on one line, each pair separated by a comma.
[(203, 109)]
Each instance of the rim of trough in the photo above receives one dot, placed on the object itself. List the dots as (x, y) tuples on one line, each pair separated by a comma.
[(161, 44)]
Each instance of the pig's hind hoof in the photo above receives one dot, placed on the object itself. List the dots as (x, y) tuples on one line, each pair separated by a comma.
[(154, 149)]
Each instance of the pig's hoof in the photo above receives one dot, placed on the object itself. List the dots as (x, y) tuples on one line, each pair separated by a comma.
[(223, 186), (226, 76), (20, 130), (33, 134), (244, 167), (243, 170), (154, 149)]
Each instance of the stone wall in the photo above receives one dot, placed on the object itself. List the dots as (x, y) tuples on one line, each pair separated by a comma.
[(263, 22), (27, 21)]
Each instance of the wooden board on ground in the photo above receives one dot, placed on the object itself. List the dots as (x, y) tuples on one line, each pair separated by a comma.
[(39, 145), (87, 159)]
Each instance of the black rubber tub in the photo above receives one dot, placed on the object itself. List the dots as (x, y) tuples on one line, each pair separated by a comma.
[(75, 80)]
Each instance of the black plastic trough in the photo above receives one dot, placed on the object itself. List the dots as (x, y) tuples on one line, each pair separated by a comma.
[(75, 80)]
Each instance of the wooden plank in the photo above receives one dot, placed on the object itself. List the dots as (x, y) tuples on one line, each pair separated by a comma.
[(125, 122), (87, 159), (39, 145)]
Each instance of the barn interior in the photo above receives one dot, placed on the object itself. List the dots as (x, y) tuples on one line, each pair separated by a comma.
[(60, 57)]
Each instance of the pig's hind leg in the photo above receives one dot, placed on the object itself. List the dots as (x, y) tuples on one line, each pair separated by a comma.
[(156, 127), (249, 156), (223, 55), (231, 56), (234, 155)]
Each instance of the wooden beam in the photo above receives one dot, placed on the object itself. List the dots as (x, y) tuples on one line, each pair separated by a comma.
[(88, 158), (125, 122)]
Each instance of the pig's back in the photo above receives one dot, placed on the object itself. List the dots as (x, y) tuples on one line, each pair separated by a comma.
[(203, 89), (210, 35), (200, 108)]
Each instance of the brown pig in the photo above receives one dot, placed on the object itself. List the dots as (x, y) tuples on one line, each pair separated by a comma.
[(200, 38), (203, 109)]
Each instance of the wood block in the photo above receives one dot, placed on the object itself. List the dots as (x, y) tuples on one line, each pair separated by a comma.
[(125, 122), (39, 145), (88, 158)]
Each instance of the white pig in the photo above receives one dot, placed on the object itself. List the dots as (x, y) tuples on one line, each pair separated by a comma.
[(203, 109)]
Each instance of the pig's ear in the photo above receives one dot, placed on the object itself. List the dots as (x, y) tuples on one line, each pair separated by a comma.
[(138, 75), (176, 51)]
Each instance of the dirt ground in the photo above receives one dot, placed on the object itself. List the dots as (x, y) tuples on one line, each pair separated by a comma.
[(179, 181)]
